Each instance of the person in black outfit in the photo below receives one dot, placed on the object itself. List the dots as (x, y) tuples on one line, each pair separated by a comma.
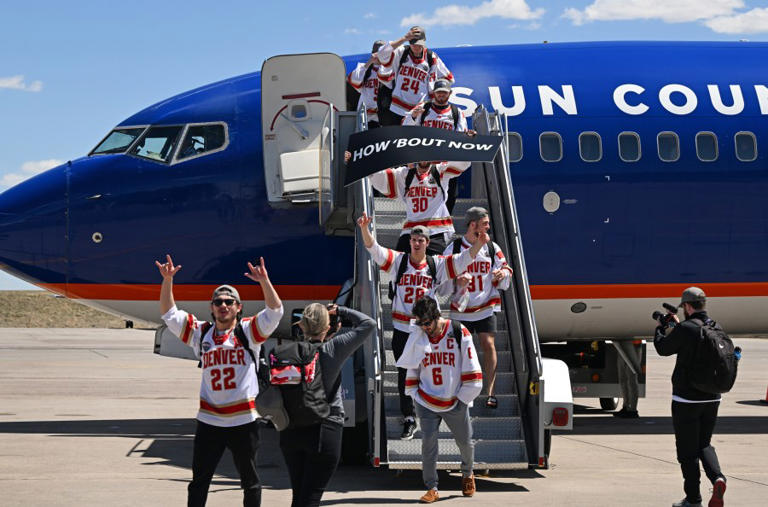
[(312, 452), (694, 412)]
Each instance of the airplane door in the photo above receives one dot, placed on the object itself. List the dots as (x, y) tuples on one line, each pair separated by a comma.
[(297, 92)]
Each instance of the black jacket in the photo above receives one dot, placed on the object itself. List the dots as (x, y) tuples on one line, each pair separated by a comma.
[(682, 340)]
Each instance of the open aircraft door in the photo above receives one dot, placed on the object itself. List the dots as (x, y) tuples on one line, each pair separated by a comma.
[(300, 96)]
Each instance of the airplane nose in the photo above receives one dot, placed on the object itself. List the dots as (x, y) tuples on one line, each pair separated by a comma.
[(33, 240)]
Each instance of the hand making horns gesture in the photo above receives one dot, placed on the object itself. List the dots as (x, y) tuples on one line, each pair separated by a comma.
[(167, 269), (257, 273)]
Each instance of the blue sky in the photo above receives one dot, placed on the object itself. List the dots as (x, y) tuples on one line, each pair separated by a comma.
[(70, 71)]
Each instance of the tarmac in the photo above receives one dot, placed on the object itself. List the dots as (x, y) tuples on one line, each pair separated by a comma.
[(93, 417)]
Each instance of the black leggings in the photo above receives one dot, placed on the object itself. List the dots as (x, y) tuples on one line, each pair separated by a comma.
[(210, 442), (312, 455), (399, 339)]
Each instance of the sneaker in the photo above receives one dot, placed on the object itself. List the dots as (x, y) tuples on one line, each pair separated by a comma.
[(409, 428), (430, 496), (685, 503), (626, 414), (468, 485), (718, 490)]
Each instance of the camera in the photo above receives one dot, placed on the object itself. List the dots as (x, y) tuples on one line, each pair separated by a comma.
[(665, 319), (333, 321)]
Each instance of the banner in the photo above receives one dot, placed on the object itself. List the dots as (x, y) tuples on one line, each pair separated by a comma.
[(377, 149)]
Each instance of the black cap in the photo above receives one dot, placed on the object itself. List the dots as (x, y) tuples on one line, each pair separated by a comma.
[(442, 85), (421, 38), (692, 295)]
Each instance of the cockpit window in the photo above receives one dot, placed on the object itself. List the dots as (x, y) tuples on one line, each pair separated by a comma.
[(202, 139), (118, 140), (158, 143)]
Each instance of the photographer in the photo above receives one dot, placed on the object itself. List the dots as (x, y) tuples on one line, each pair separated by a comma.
[(312, 452), (694, 412)]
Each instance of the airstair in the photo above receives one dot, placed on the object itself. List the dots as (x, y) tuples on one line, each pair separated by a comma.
[(510, 436)]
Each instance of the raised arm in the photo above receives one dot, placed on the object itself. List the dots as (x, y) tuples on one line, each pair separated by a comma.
[(259, 274), (363, 222), (167, 271)]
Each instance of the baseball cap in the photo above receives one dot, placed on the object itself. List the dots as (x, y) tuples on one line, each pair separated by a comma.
[(377, 45), (420, 39), (420, 230), (442, 85), (226, 290), (476, 213), (692, 295), (315, 319)]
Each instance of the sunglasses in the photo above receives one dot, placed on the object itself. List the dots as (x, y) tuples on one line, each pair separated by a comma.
[(219, 302), (424, 323)]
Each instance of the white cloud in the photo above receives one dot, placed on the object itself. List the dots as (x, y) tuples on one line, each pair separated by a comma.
[(677, 11), (369, 15), (465, 15), (352, 31), (17, 83), (27, 170), (754, 21)]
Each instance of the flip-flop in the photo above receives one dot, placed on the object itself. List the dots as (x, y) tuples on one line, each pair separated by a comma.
[(491, 402)]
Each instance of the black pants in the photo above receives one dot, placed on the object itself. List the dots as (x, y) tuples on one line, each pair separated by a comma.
[(388, 118), (436, 244), (694, 423), (312, 455), (210, 442), (399, 338)]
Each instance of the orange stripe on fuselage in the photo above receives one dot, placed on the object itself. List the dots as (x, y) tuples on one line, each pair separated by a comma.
[(151, 292)]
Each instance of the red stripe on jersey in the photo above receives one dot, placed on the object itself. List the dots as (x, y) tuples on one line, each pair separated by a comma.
[(449, 77), (410, 382), (186, 334), (452, 170), (436, 401), (245, 406), (355, 86), (385, 79), (258, 336), (499, 254), (450, 267), (390, 259), (470, 377), (428, 223), (372, 111), (473, 309), (403, 104), (401, 317), (465, 331), (391, 183)]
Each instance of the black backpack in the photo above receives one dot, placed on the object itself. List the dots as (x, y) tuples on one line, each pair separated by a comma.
[(412, 174), (714, 364), (295, 368), (454, 113), (401, 271), (384, 95)]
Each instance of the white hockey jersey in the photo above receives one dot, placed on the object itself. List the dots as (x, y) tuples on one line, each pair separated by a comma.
[(438, 117), (443, 370), (417, 280), (484, 296), (229, 386), (369, 89), (425, 199), (411, 82)]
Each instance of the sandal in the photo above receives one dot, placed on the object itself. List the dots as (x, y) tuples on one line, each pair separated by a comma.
[(491, 402)]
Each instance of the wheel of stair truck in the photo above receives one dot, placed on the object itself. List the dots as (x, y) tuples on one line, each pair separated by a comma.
[(609, 403)]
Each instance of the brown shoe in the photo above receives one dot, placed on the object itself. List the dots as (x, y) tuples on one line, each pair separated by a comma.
[(468, 485), (430, 496)]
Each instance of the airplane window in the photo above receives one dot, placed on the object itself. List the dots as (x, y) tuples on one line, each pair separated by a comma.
[(157, 144), (669, 146), (746, 146), (590, 147), (629, 147), (551, 147), (706, 146), (118, 140), (515, 147), (201, 139)]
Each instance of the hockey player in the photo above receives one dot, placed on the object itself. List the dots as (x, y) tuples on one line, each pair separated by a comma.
[(365, 80), (407, 73), (443, 378), (415, 275), (227, 349), (439, 113), (476, 299), (425, 191)]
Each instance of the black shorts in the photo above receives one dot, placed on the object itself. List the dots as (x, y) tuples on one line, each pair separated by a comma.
[(486, 325)]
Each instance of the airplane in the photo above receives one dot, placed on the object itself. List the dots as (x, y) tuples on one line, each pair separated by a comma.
[(638, 168)]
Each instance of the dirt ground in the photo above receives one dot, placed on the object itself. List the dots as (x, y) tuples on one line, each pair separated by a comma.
[(44, 309)]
